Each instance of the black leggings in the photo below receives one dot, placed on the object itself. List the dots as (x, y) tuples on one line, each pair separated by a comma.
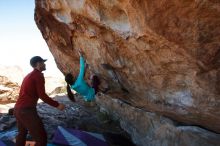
[(95, 83)]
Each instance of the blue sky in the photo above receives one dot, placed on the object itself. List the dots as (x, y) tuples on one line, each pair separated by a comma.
[(20, 38)]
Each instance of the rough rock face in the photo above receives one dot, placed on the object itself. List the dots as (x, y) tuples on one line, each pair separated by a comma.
[(160, 56), (150, 129), (8, 90)]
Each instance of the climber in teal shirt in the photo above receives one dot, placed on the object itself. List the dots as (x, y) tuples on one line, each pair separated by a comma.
[(80, 85)]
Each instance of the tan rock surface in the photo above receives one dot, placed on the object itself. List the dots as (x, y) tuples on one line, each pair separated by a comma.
[(8, 91), (13, 73), (165, 53)]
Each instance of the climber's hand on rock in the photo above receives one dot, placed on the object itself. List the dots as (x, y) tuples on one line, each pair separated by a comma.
[(80, 53)]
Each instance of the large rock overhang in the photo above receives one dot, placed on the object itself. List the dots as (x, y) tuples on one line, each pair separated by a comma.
[(161, 56)]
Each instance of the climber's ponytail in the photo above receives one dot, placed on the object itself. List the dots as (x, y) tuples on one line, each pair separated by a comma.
[(69, 80), (69, 93)]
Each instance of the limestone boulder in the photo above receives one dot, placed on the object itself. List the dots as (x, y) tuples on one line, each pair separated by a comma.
[(160, 56), (9, 90)]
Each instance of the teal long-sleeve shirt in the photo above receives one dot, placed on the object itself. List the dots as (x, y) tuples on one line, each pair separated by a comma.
[(80, 85)]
